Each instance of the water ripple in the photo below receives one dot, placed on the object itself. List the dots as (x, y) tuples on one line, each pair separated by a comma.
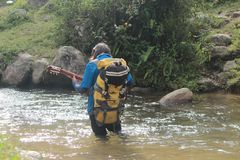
[(54, 125)]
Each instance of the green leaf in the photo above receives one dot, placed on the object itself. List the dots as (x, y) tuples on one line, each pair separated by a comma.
[(146, 54)]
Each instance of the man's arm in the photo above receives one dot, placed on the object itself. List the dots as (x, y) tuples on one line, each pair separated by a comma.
[(77, 86), (88, 78), (130, 81)]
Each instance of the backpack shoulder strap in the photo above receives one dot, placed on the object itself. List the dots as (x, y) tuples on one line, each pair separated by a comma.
[(104, 63)]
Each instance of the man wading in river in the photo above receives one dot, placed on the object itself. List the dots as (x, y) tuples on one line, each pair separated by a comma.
[(105, 79)]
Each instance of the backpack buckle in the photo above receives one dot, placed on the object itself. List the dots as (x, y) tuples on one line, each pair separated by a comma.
[(104, 93)]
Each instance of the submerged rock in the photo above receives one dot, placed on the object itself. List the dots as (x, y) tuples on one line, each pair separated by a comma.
[(180, 96)]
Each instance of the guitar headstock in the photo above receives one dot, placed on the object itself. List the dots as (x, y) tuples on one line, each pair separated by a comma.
[(54, 69)]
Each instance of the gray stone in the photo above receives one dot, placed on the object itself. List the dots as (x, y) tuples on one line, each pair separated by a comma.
[(39, 68), (206, 84), (68, 58), (180, 96), (221, 39), (236, 14), (71, 59), (220, 52), (19, 72), (229, 65), (19, 12)]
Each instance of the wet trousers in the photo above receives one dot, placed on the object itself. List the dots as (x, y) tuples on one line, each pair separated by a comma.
[(102, 130)]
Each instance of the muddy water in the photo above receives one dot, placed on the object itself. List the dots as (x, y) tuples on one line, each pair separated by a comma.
[(46, 125)]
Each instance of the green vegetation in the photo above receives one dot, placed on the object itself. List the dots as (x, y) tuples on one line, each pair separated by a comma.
[(232, 28), (30, 32), (163, 41), (154, 37), (7, 151)]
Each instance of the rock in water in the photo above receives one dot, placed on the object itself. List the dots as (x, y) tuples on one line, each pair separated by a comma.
[(180, 96)]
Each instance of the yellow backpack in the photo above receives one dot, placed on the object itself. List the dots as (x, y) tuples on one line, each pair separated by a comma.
[(110, 90)]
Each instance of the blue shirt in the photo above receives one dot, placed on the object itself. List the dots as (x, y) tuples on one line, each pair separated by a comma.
[(89, 79)]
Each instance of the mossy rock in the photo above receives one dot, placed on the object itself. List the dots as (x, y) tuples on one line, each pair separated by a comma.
[(207, 85), (234, 84), (220, 39)]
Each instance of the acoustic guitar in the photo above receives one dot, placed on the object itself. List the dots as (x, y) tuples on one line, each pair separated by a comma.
[(58, 70)]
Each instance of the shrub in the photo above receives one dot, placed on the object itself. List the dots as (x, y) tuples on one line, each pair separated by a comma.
[(154, 36), (6, 57)]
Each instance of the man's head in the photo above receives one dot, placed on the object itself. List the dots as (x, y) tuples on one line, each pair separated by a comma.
[(100, 48)]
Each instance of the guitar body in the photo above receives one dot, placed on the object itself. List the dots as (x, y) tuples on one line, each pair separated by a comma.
[(58, 70)]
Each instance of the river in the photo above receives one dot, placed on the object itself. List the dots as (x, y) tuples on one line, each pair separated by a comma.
[(53, 124)]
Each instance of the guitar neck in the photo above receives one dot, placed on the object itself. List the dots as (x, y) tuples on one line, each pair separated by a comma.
[(70, 74)]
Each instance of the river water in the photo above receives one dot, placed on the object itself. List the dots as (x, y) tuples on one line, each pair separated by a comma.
[(46, 125)]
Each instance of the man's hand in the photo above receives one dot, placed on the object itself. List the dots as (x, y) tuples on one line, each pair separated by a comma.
[(74, 78)]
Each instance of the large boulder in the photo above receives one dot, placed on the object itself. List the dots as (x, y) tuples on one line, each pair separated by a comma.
[(19, 72), (180, 96), (39, 68), (68, 58), (221, 39)]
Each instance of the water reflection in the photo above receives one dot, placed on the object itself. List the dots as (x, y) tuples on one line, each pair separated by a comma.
[(54, 125)]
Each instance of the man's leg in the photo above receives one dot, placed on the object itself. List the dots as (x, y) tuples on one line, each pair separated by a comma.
[(116, 127), (99, 131)]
